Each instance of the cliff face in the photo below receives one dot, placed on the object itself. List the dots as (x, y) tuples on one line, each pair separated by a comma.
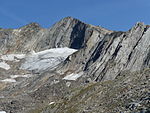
[(37, 63), (105, 56)]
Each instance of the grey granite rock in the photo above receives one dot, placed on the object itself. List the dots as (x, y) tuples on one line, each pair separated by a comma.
[(105, 57)]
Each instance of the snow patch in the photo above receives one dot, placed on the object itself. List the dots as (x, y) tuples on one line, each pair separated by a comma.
[(43, 60), (8, 80), (2, 111), (23, 76), (73, 76), (4, 65), (51, 103), (12, 57)]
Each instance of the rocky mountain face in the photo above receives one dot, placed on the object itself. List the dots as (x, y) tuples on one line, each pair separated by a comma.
[(74, 67)]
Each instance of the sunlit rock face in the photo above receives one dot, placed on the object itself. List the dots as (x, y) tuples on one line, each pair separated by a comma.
[(41, 68)]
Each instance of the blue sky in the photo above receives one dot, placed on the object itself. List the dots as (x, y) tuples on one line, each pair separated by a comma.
[(111, 14)]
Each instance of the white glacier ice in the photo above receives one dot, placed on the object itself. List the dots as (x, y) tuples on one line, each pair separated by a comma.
[(46, 59)]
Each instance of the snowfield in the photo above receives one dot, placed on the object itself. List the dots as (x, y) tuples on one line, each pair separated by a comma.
[(43, 60), (37, 62)]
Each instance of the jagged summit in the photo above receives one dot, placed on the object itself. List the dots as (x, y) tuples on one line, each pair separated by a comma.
[(33, 25)]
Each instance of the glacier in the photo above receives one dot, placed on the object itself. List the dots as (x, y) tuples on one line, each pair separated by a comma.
[(47, 59)]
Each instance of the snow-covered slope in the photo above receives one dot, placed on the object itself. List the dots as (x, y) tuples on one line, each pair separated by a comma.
[(39, 61), (30, 63), (43, 60)]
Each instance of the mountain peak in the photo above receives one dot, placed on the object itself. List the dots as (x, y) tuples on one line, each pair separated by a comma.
[(59, 69)]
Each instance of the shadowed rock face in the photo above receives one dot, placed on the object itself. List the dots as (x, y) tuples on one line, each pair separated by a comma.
[(96, 55)]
